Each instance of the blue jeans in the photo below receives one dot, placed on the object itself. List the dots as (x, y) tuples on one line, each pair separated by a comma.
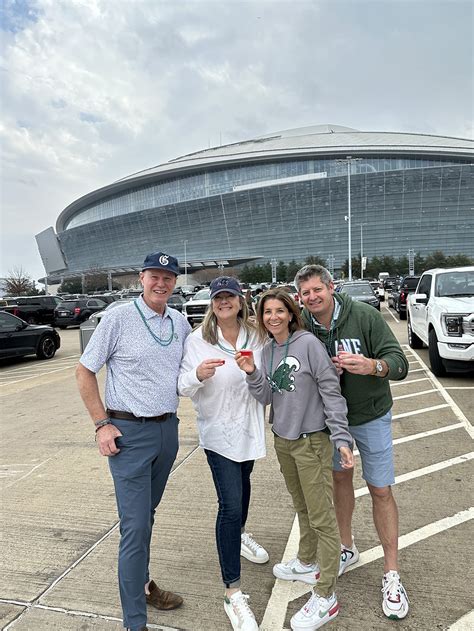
[(140, 472), (232, 482)]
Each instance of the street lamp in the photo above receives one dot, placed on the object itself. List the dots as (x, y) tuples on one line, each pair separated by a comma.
[(361, 250), (185, 262), (349, 160)]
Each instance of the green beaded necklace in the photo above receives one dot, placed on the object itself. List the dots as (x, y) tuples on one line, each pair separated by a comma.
[(276, 387), (232, 351), (158, 339)]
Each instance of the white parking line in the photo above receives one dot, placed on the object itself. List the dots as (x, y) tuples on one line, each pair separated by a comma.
[(466, 623), (459, 387), (409, 539), (387, 309), (421, 411), (418, 473), (414, 394), (49, 372), (454, 406), (402, 383), (28, 473)]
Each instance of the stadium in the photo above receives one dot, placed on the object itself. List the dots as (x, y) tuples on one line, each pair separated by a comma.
[(282, 196)]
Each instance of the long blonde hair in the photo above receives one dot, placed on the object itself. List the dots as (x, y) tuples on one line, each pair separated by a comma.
[(209, 324)]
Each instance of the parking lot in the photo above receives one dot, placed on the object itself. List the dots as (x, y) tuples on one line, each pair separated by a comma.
[(60, 531)]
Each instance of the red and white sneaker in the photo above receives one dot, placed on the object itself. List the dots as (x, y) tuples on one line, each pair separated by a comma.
[(317, 612), (395, 600)]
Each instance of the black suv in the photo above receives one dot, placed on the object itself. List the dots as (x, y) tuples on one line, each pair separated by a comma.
[(398, 297), (70, 312)]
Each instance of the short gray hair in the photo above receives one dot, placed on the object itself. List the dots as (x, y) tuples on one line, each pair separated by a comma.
[(308, 271)]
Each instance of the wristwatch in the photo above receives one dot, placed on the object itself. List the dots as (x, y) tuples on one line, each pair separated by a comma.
[(378, 368)]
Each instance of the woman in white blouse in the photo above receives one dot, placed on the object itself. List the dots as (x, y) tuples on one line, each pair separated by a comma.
[(231, 430)]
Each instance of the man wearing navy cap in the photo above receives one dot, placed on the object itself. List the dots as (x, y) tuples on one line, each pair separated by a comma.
[(142, 345)]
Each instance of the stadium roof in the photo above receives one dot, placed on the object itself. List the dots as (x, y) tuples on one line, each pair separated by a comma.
[(319, 140)]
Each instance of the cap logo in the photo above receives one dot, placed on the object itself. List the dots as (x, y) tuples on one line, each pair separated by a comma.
[(163, 259)]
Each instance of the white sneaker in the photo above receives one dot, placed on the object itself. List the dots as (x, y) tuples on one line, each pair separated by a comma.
[(294, 570), (395, 600), (349, 556), (252, 550), (315, 613), (239, 612)]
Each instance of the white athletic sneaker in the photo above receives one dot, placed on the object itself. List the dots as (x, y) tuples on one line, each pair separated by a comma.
[(349, 556), (395, 600), (252, 550), (315, 613), (294, 570), (239, 612)]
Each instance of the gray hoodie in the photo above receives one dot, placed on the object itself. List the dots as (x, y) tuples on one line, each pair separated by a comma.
[(307, 396)]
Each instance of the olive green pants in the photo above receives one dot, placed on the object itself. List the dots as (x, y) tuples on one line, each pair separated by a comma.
[(306, 465)]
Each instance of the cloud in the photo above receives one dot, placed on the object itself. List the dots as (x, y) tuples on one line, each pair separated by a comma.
[(96, 89)]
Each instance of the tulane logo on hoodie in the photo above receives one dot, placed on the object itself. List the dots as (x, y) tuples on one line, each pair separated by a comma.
[(282, 376)]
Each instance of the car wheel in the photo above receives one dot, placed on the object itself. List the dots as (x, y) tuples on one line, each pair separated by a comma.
[(437, 366), (46, 347), (413, 339)]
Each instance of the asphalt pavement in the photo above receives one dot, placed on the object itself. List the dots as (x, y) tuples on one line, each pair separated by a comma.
[(60, 534)]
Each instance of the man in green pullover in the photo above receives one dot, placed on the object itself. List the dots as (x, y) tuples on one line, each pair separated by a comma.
[(366, 355)]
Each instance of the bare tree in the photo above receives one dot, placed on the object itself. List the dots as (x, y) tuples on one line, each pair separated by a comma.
[(19, 283)]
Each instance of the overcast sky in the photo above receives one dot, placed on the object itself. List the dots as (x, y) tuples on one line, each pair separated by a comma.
[(93, 90)]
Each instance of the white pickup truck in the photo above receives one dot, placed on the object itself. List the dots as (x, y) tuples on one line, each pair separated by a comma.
[(440, 314)]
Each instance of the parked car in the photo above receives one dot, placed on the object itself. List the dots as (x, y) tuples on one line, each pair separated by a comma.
[(73, 312), (379, 291), (440, 314), (34, 309), (195, 310), (18, 338), (176, 301), (107, 298), (397, 298), (389, 282), (361, 291)]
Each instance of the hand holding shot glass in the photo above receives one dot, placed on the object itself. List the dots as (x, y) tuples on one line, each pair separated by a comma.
[(207, 368), (245, 360)]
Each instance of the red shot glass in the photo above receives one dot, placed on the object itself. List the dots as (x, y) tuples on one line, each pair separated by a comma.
[(246, 352)]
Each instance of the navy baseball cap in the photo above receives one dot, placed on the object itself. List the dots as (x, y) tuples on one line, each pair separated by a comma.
[(225, 283), (160, 260)]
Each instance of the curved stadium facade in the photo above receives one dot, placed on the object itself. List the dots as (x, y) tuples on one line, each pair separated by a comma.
[(282, 196)]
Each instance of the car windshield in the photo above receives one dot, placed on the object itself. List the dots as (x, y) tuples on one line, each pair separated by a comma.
[(455, 283), (358, 290), (203, 294)]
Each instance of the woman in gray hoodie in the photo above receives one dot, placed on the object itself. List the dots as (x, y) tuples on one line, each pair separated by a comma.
[(308, 415)]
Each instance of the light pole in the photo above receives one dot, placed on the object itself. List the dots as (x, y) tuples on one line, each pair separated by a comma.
[(361, 250), (185, 262), (349, 160)]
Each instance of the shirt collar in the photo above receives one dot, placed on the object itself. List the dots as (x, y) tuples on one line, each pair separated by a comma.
[(149, 313), (335, 314)]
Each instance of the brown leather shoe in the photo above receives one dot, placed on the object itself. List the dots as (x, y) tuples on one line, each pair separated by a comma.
[(161, 599)]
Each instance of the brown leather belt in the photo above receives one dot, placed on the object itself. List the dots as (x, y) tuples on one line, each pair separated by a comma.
[(126, 416)]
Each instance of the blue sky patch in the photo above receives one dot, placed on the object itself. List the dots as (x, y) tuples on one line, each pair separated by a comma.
[(16, 15)]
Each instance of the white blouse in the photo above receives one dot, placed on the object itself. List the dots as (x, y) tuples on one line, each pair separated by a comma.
[(230, 421)]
